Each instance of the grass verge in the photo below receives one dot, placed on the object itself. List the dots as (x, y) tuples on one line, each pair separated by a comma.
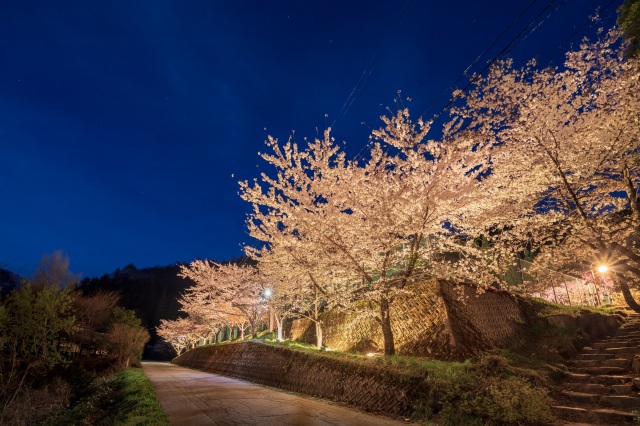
[(135, 402), (125, 398)]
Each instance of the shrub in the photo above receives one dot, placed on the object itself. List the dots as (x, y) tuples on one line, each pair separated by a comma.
[(488, 392), (32, 405)]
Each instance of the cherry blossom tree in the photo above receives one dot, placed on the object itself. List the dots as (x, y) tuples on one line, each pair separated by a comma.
[(564, 158), (201, 309), (370, 220), (301, 286), (181, 334), (302, 280), (220, 287)]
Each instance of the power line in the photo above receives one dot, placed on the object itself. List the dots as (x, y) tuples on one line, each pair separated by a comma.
[(464, 73), (404, 10), (514, 41), (607, 6)]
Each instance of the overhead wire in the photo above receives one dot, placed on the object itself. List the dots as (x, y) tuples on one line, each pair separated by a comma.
[(570, 37), (538, 20), (506, 49), (404, 10), (493, 43), (513, 43)]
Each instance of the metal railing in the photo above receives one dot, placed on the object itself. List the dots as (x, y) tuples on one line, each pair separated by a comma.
[(557, 287)]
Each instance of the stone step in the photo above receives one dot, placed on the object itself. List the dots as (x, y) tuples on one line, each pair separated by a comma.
[(627, 334), (624, 402), (581, 397), (612, 343), (612, 417), (575, 414), (609, 380), (607, 344), (617, 362), (586, 357), (603, 416), (600, 370), (593, 388), (625, 355), (578, 377), (625, 389), (623, 349), (582, 363)]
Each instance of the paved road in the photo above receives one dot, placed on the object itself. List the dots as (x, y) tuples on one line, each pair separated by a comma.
[(194, 398)]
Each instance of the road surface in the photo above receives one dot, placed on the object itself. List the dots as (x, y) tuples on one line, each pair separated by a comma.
[(193, 398)]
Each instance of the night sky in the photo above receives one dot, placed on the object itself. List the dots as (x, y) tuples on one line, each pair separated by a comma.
[(122, 122)]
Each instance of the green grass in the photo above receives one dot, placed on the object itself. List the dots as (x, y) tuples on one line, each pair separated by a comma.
[(545, 308), (126, 398), (135, 401)]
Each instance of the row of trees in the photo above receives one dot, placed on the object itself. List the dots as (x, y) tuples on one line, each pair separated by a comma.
[(542, 159)]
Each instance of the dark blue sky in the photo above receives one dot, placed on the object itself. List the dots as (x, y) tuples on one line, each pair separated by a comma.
[(122, 122)]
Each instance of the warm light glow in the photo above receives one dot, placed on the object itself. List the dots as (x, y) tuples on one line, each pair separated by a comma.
[(371, 354), (603, 268), (267, 292)]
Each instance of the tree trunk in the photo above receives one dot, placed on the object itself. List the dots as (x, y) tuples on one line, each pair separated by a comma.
[(279, 321), (385, 323), (628, 297), (273, 319), (254, 332), (317, 322), (318, 334)]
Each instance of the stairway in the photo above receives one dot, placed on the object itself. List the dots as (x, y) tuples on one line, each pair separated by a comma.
[(601, 387)]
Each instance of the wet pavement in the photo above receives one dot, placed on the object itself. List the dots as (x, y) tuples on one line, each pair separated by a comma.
[(194, 398)]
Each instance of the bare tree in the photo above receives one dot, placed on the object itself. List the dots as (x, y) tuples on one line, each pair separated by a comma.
[(125, 342), (53, 271)]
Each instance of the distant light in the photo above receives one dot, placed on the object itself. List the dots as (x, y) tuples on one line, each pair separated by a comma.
[(267, 293), (603, 268), (371, 354)]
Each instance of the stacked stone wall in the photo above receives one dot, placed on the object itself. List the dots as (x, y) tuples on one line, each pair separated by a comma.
[(366, 387), (482, 320), (432, 318)]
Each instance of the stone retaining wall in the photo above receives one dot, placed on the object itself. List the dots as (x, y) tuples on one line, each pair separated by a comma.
[(434, 318), (441, 320), (325, 376)]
